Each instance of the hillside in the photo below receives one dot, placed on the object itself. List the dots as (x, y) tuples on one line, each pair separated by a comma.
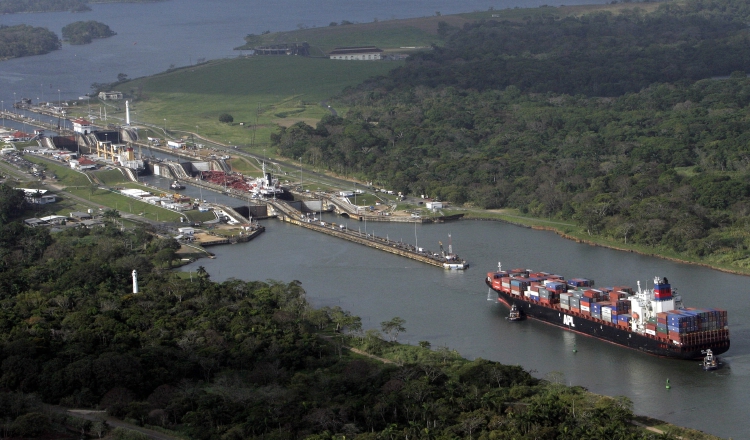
[(613, 121), (259, 93), (403, 35)]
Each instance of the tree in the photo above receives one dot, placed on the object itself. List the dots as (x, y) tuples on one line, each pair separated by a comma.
[(122, 77), (111, 214), (30, 425), (12, 203), (226, 118), (393, 327)]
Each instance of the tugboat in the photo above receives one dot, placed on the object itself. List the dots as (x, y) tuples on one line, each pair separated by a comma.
[(177, 185), (710, 362), (515, 314), (450, 260)]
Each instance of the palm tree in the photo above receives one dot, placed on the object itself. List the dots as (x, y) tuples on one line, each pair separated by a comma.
[(111, 214)]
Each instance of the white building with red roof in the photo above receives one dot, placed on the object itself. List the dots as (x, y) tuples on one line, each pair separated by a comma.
[(82, 126), (16, 136)]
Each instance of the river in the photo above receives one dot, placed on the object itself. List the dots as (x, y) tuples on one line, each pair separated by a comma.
[(445, 308)]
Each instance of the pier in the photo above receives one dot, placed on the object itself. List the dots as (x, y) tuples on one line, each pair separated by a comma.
[(286, 213), (7, 114)]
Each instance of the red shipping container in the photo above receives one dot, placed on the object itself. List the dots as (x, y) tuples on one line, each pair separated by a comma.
[(544, 301), (575, 309)]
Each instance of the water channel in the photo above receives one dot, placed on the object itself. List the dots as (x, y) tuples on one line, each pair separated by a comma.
[(451, 308), (445, 308)]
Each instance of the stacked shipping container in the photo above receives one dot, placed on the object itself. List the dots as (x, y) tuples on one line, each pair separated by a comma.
[(607, 304)]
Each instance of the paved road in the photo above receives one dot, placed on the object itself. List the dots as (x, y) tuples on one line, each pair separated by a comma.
[(98, 416)]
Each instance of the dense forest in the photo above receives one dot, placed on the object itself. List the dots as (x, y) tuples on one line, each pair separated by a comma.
[(24, 40), (84, 32), (600, 119), (239, 359)]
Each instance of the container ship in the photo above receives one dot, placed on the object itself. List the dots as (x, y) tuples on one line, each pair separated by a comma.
[(653, 321)]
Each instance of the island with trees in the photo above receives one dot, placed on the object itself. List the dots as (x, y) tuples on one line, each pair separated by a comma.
[(84, 32), (20, 6), (24, 40), (631, 125)]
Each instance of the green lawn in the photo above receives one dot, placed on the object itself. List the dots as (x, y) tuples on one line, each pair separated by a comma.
[(109, 199), (109, 177), (390, 34), (197, 216), (281, 90), (65, 175), (561, 11)]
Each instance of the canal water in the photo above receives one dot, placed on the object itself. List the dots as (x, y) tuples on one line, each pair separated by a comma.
[(452, 308), (446, 308)]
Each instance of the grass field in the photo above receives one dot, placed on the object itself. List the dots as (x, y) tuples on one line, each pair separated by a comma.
[(275, 90), (397, 35), (107, 198), (388, 35), (516, 14), (109, 177), (65, 175)]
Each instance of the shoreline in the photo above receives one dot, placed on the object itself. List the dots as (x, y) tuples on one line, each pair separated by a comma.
[(609, 246)]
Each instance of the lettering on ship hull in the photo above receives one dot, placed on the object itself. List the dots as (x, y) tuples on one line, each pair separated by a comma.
[(568, 320)]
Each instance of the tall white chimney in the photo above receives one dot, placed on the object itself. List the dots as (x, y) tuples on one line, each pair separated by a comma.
[(127, 113), (135, 281)]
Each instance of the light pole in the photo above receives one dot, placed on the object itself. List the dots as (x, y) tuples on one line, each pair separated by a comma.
[(3, 103), (301, 188), (59, 101), (14, 103)]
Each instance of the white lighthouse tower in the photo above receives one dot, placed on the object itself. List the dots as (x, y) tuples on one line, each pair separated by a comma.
[(135, 281), (127, 113)]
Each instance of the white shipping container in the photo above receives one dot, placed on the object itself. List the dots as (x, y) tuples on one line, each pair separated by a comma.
[(585, 308), (565, 306), (651, 332)]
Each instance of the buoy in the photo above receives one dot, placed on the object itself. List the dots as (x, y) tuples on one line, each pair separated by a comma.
[(668, 386), (575, 350)]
